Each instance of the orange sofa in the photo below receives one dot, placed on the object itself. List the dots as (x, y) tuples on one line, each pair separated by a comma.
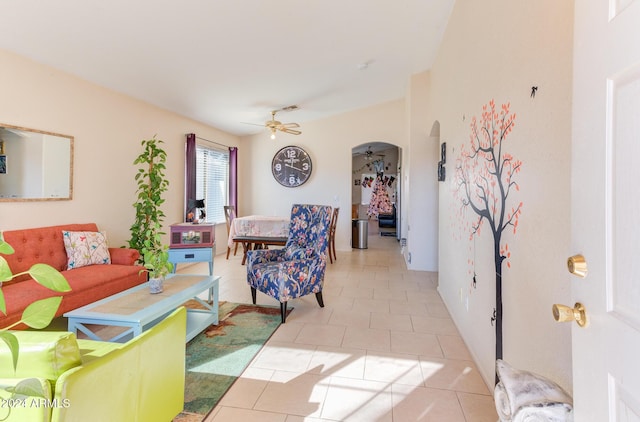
[(88, 284)]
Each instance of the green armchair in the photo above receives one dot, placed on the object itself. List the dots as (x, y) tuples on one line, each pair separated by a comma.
[(86, 380)]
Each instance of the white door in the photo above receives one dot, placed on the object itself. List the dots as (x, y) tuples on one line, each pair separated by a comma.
[(606, 209)]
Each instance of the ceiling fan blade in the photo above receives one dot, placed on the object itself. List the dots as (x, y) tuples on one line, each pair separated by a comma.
[(290, 125), (291, 131)]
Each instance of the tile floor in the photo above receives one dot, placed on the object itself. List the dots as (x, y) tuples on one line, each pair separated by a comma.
[(383, 348)]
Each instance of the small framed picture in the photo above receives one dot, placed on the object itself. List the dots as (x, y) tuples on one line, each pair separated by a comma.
[(3, 164), (443, 153), (442, 172)]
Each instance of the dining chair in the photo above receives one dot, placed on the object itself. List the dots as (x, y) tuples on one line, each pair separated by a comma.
[(297, 269), (229, 215), (332, 235)]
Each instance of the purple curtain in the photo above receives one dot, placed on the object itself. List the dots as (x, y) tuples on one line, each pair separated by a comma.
[(233, 177), (190, 173)]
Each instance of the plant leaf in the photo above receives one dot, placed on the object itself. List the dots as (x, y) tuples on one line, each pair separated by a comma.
[(40, 313), (12, 343), (5, 248), (49, 277), (3, 303), (30, 387), (5, 271)]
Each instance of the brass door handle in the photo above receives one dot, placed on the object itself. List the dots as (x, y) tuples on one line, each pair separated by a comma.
[(563, 313), (577, 266)]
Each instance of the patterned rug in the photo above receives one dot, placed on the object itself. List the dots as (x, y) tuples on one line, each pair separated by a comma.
[(216, 357)]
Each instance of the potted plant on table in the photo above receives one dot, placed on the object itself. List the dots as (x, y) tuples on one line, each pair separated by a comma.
[(156, 259)]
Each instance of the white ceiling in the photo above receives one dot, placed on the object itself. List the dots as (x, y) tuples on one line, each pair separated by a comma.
[(225, 62)]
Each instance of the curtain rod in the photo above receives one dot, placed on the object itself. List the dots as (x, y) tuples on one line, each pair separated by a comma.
[(217, 143)]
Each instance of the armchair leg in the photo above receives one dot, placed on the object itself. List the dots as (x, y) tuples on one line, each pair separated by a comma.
[(253, 295), (319, 299), (283, 311)]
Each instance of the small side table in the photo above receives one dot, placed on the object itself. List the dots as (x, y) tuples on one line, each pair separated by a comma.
[(200, 254)]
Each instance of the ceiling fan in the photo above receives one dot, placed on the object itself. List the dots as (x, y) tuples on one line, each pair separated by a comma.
[(274, 125), (368, 154)]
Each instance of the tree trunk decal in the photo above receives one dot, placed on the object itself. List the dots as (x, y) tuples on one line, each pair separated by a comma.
[(484, 183)]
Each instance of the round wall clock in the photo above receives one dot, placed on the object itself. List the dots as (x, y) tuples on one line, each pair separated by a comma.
[(291, 166)]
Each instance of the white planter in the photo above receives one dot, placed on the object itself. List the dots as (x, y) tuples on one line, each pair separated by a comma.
[(156, 285)]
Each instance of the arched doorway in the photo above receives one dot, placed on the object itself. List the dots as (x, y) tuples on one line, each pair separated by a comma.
[(370, 160)]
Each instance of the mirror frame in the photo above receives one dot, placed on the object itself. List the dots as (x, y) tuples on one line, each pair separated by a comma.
[(71, 140)]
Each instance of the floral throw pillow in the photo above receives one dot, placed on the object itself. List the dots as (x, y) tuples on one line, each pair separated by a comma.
[(86, 248)]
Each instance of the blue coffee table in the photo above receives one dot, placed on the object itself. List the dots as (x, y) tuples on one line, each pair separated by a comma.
[(137, 310)]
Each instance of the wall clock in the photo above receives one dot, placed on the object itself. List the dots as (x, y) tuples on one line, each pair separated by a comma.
[(291, 166)]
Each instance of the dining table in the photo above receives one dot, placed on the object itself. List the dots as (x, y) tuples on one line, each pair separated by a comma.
[(258, 231)]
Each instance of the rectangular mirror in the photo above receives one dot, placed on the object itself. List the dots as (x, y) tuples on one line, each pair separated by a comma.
[(35, 165)]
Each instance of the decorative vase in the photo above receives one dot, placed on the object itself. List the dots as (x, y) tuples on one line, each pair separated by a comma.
[(156, 285)]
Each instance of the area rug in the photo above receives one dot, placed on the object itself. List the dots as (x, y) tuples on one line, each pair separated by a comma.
[(216, 357)]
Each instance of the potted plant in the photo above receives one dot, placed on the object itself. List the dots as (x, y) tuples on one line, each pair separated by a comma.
[(152, 184), (156, 259), (37, 315)]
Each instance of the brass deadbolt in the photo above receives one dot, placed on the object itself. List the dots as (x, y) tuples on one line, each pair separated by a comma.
[(563, 313), (577, 266)]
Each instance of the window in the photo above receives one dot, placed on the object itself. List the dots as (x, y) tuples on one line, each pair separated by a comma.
[(212, 181)]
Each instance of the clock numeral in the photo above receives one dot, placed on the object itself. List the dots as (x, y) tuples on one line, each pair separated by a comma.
[(291, 154), (278, 167), (292, 180), (305, 166)]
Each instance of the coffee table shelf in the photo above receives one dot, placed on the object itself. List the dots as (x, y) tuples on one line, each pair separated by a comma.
[(137, 310)]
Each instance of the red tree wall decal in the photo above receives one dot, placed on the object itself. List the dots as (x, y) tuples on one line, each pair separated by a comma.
[(484, 182)]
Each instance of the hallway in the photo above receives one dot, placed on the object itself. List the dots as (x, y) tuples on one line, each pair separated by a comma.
[(383, 349)]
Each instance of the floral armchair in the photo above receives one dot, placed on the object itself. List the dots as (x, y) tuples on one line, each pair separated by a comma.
[(297, 269)]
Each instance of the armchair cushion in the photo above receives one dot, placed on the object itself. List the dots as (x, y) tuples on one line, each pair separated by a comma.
[(43, 354), (298, 253)]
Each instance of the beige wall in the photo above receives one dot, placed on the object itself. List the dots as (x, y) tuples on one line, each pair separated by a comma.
[(328, 142), (498, 50), (108, 128)]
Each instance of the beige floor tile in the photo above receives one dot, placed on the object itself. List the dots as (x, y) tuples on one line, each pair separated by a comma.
[(415, 344), (456, 375), (371, 305), (453, 347), (367, 339), (397, 295), (284, 356), (433, 325), (357, 292), (232, 414), (478, 408), (287, 332), (388, 321), (351, 318), (437, 310), (247, 388), (421, 404), (393, 368), (357, 400), (292, 393), (407, 308), (338, 362), (321, 334)]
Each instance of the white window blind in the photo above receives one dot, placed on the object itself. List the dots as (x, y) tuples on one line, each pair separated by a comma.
[(212, 181)]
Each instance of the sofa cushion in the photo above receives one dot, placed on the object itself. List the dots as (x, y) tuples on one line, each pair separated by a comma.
[(39, 245), (44, 354), (85, 248), (88, 284)]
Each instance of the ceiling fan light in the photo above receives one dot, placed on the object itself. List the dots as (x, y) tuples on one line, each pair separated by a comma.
[(273, 134)]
